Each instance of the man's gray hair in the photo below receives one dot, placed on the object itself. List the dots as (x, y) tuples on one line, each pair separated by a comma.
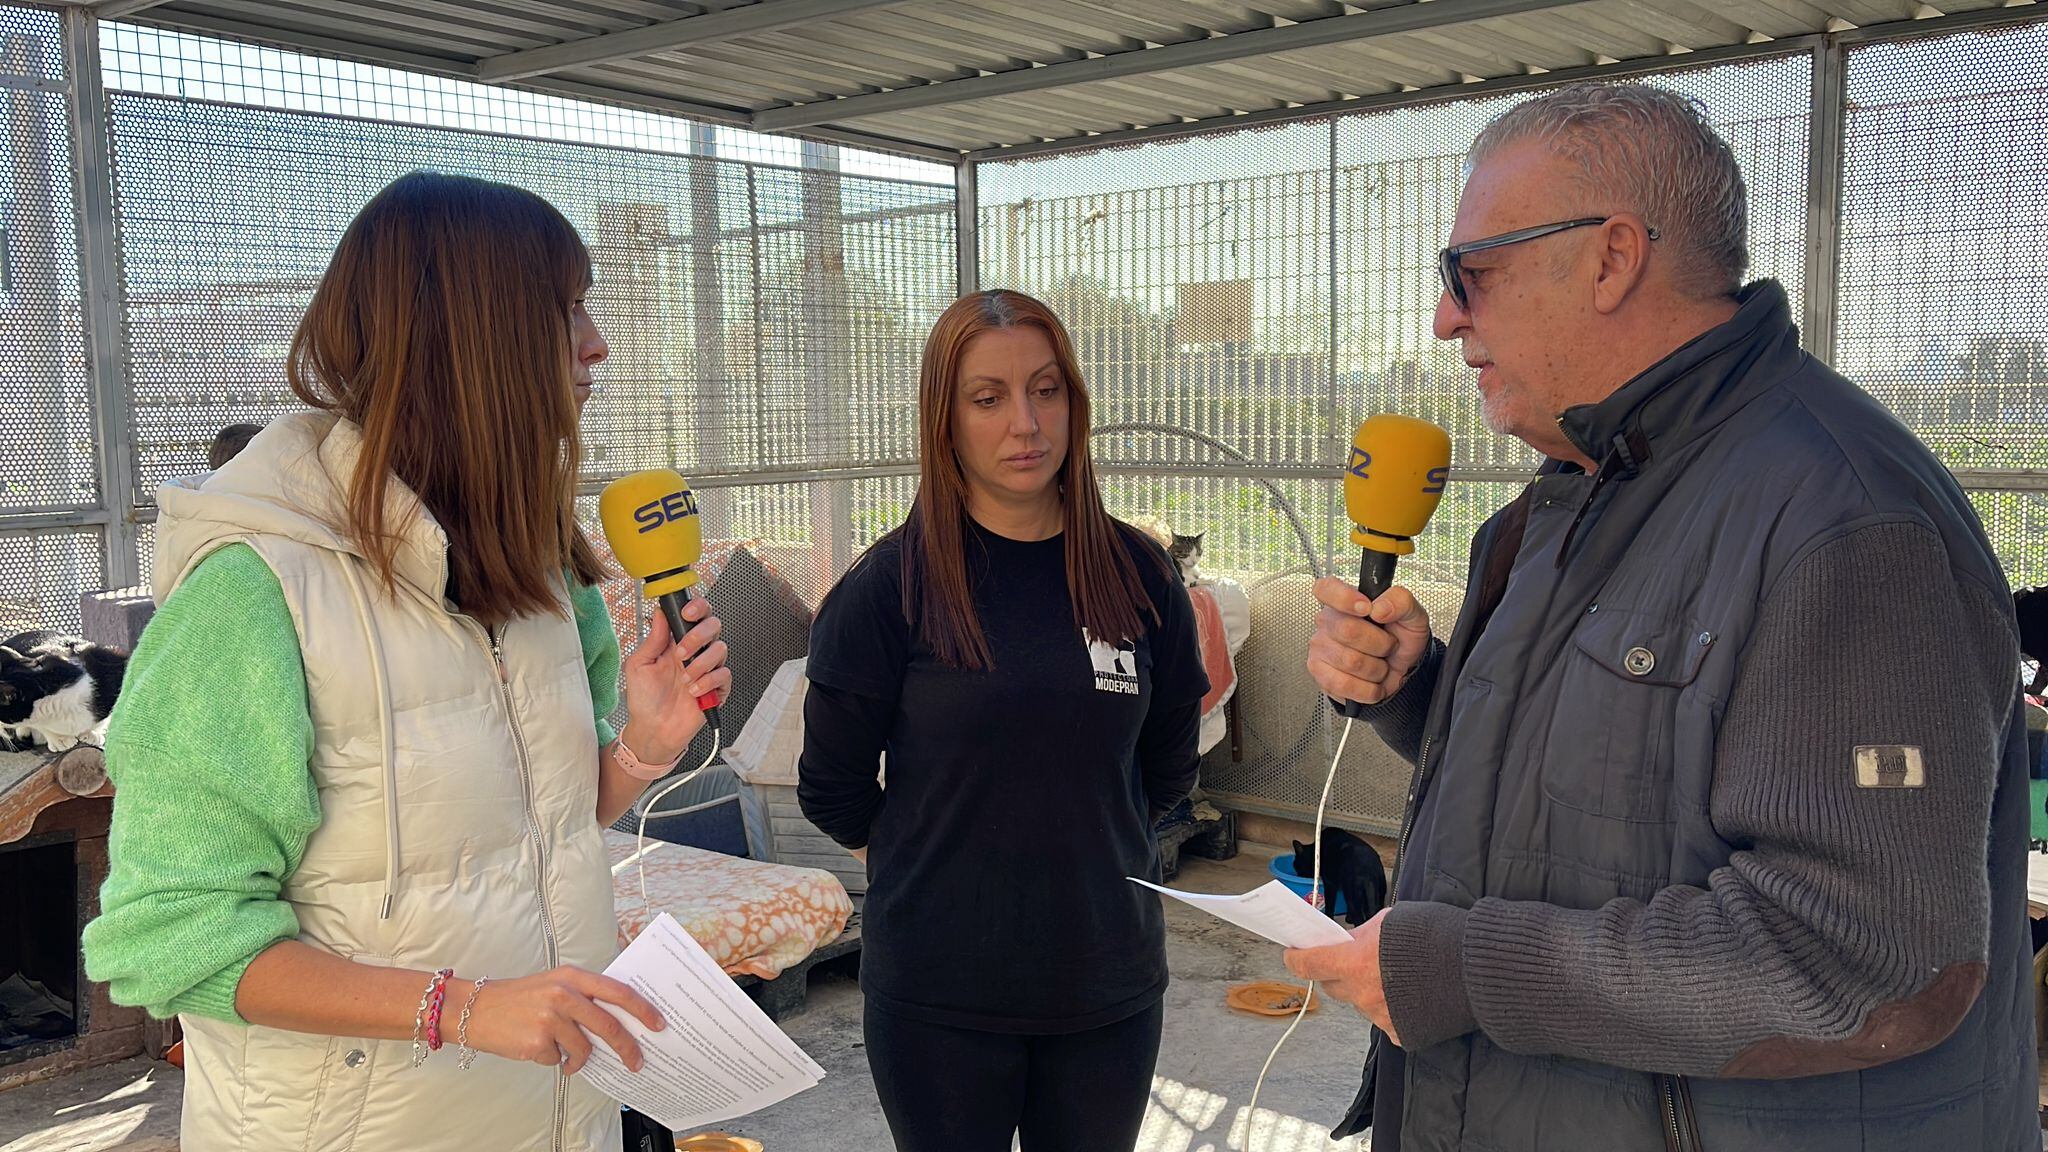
[(1649, 151)]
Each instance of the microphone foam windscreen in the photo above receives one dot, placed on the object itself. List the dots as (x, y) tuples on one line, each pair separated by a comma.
[(1394, 480), (650, 520)]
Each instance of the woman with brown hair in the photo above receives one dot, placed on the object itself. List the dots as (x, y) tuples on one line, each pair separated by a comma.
[(1029, 665), (360, 758)]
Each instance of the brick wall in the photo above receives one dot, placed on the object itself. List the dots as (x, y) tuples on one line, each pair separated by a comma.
[(110, 1032)]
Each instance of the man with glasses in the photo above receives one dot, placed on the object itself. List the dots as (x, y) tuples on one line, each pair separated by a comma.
[(1717, 836)]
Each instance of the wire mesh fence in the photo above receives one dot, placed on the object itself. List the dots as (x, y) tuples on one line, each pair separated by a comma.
[(1944, 248), (1239, 300), (42, 575), (754, 322), (1273, 302), (764, 300), (47, 443)]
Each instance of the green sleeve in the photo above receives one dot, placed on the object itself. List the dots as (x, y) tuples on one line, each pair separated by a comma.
[(208, 749), (600, 656)]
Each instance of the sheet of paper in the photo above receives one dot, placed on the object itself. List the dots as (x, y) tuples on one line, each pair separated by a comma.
[(2037, 877), (1271, 910), (719, 1057)]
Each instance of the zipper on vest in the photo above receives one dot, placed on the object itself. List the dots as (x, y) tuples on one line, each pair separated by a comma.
[(1408, 819), (1685, 1114), (1372, 1053), (495, 644), (1681, 1128), (1667, 1103)]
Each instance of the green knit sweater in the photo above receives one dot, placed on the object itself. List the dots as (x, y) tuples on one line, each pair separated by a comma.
[(208, 750)]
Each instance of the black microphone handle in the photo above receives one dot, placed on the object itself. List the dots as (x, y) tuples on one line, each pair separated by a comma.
[(1375, 576), (1375, 572), (672, 608)]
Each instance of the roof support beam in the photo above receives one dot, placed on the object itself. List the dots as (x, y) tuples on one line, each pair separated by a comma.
[(1892, 31), (1443, 92), (669, 35), (733, 118), (209, 25), (116, 9), (1260, 42)]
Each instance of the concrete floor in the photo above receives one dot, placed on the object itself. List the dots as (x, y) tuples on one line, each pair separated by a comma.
[(131, 1106), (1208, 1060), (1207, 1063)]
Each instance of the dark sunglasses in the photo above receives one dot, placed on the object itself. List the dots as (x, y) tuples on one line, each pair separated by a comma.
[(1453, 272)]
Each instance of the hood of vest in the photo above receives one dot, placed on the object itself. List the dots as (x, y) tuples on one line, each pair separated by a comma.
[(292, 481)]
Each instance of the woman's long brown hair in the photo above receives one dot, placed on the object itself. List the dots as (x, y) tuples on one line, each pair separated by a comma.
[(938, 596), (442, 330)]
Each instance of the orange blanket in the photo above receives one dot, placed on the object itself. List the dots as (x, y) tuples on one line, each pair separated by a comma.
[(1215, 648)]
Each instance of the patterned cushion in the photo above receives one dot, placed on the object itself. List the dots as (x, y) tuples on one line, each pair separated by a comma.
[(752, 917)]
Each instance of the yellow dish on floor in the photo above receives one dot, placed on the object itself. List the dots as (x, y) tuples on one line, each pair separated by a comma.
[(1268, 998), (717, 1142)]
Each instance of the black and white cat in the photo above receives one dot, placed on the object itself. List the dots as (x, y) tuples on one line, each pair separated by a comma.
[(2031, 606), (1351, 868), (56, 690), (1187, 554)]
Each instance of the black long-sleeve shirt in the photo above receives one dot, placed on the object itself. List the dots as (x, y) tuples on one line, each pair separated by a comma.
[(1018, 798)]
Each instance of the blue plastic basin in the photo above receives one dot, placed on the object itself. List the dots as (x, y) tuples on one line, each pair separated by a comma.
[(1282, 868)]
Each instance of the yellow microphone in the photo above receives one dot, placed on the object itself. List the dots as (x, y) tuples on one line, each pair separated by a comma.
[(1392, 484), (650, 520)]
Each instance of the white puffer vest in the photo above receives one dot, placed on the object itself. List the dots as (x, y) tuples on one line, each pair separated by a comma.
[(457, 775)]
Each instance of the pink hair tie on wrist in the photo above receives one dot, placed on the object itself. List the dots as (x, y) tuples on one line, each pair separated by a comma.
[(637, 768)]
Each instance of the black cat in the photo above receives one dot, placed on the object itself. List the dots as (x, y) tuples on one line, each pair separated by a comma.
[(55, 690), (1351, 868), (2031, 605)]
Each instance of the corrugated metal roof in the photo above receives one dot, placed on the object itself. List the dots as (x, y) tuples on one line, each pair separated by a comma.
[(942, 78)]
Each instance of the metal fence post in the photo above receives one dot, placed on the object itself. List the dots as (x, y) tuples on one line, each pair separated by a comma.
[(967, 231), (1824, 197), (826, 325), (713, 404), (1332, 431), (99, 262)]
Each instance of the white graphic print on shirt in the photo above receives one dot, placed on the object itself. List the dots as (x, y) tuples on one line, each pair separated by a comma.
[(1116, 668)]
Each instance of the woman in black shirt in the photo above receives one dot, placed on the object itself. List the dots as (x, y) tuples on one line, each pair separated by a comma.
[(1029, 665)]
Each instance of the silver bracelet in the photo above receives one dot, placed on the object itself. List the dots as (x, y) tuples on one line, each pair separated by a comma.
[(464, 1054)]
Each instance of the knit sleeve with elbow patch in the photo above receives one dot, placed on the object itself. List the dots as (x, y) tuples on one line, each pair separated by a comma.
[(1854, 774)]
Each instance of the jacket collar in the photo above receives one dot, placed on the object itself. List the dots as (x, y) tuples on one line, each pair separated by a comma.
[(1687, 393)]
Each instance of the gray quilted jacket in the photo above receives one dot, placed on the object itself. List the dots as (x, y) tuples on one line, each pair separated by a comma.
[(1718, 839)]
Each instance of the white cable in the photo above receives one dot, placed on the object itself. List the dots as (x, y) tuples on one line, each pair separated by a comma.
[(1315, 891), (647, 809)]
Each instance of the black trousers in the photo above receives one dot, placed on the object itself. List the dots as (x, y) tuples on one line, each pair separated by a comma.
[(949, 1089)]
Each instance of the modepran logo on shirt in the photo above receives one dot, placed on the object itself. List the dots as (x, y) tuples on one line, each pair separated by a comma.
[(1116, 669)]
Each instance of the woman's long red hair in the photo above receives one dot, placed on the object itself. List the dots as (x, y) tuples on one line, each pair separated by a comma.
[(938, 598)]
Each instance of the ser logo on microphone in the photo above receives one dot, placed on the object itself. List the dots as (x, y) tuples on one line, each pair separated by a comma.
[(671, 507), (1362, 460)]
